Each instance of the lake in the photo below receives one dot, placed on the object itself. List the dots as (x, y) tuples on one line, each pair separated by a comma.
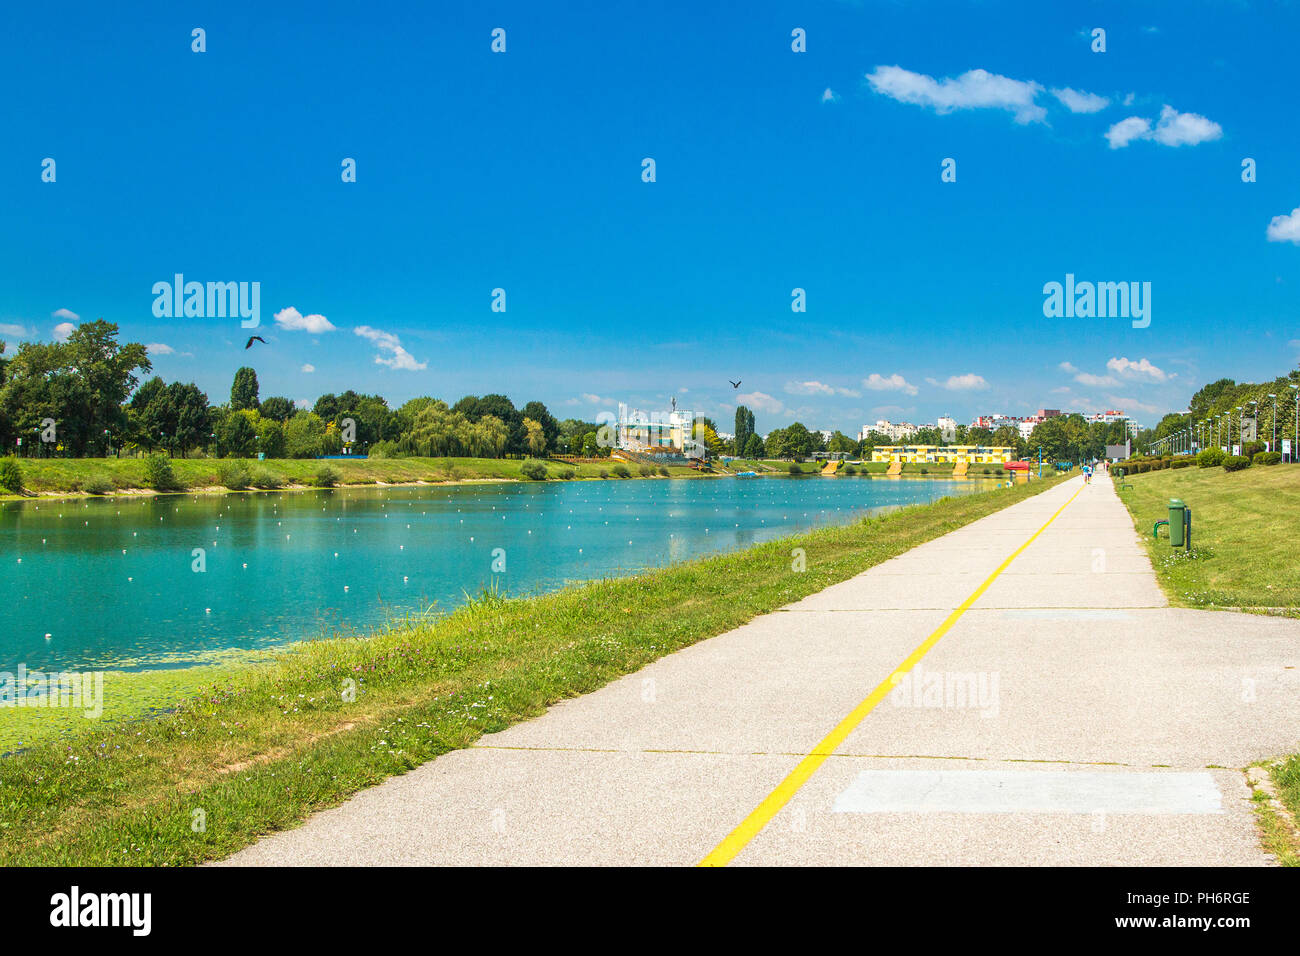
[(166, 581)]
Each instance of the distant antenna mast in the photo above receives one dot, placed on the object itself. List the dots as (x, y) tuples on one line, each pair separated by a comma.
[(674, 403)]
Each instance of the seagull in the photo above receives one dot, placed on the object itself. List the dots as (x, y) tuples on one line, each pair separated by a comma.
[(252, 339), (734, 384)]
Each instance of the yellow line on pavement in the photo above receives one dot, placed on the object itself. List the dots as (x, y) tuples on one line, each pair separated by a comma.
[(750, 827)]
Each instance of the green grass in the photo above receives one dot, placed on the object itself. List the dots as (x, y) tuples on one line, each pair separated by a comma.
[(1243, 525), (262, 747), (71, 475)]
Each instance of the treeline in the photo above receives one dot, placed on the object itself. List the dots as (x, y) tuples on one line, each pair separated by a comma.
[(1064, 438), (1214, 415), (80, 398)]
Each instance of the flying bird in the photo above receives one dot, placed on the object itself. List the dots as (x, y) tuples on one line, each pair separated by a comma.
[(734, 384), (252, 339)]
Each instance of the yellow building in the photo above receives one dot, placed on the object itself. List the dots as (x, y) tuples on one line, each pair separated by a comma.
[(938, 454)]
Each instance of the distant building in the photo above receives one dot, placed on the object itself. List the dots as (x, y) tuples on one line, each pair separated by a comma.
[(894, 432), (937, 454), (948, 428), (642, 431)]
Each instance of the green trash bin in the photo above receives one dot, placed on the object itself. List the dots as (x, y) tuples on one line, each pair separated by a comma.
[(1176, 509)]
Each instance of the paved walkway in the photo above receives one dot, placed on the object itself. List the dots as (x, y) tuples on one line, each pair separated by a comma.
[(1068, 716)]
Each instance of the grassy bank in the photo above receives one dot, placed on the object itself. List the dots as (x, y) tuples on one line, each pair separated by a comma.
[(264, 746), (71, 475), (1243, 553)]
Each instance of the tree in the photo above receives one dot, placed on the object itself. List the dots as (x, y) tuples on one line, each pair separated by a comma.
[(278, 408), (744, 428), (243, 392), (305, 435), (536, 437), (80, 384), (799, 441), (237, 437), (841, 443), (550, 427), (754, 447)]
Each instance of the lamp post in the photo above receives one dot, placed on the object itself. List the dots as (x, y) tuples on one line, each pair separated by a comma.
[(1241, 424), (1295, 442), (1272, 446)]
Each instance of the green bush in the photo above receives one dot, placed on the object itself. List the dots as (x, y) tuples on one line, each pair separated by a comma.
[(326, 477), (1184, 461), (1235, 462), (646, 471), (98, 485), (533, 470), (234, 474), (11, 476), (850, 470), (158, 473), (795, 469), (604, 473), (1252, 448), (262, 478), (620, 471), (1210, 458), (567, 474), (663, 470), (1268, 458)]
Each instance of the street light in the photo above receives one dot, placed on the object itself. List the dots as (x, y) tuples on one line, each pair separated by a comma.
[(1295, 446), (1273, 444)]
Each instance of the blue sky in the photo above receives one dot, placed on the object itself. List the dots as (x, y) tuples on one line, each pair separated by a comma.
[(523, 171)]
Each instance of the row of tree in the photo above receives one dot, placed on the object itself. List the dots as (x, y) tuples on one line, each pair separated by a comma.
[(80, 397)]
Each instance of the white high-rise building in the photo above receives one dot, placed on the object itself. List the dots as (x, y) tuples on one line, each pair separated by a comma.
[(948, 428)]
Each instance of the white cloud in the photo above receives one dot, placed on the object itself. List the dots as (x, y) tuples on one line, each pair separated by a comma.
[(830, 96), (1285, 228), (970, 382), (1185, 129), (63, 330), (303, 403), (1172, 129), (66, 314), (294, 321), (308, 368), (388, 342), (762, 401), (16, 330), (1127, 130), (1142, 368), (592, 399), (1095, 381), (891, 383), (818, 388), (159, 348), (1077, 101), (974, 89)]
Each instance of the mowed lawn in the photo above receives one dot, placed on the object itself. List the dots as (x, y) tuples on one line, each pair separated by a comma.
[(1244, 526), (45, 475)]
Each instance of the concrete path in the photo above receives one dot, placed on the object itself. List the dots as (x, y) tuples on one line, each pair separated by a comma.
[(1069, 716)]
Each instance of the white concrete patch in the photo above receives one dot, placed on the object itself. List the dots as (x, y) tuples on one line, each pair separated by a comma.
[(1029, 791)]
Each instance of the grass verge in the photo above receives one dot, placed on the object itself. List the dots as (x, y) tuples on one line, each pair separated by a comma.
[(261, 747), (1243, 552), (72, 475)]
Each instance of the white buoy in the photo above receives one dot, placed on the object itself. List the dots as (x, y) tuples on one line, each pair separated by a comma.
[(49, 636)]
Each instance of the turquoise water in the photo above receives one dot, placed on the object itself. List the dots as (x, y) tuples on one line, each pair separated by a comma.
[(115, 582)]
